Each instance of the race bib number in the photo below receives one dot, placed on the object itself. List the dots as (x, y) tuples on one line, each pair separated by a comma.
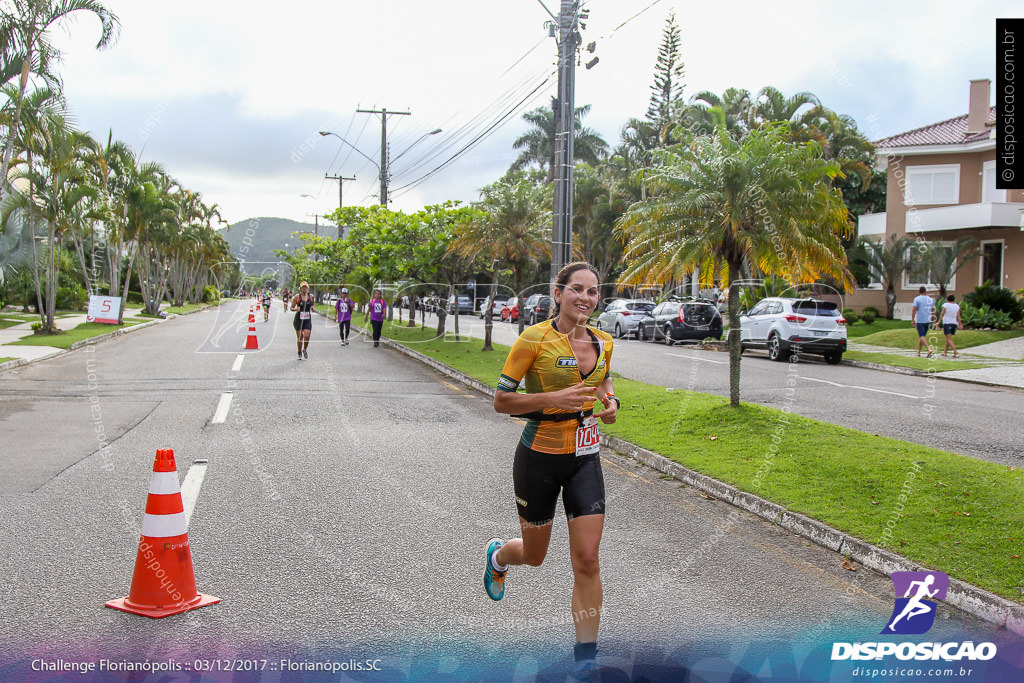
[(303, 315), (588, 438), (343, 308)]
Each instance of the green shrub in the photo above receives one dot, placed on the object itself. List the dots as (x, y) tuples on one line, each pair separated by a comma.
[(868, 316), (211, 294), (869, 309), (36, 326), (850, 315), (984, 316), (72, 298), (997, 299), (134, 298)]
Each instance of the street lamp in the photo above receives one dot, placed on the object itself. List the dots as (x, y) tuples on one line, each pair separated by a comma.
[(382, 173)]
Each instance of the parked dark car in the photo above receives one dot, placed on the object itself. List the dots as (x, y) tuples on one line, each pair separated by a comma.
[(465, 305), (537, 308), (676, 320)]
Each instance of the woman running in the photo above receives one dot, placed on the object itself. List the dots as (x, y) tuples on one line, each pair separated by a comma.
[(376, 310), (267, 296), (566, 366), (302, 304), (343, 314)]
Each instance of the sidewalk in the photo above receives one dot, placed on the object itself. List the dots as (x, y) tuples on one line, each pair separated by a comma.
[(1006, 367)]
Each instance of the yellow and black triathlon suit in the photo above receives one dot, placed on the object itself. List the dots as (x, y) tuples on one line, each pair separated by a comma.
[(558, 451)]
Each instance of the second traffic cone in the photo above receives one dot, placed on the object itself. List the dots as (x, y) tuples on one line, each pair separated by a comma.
[(164, 582), (251, 342), (252, 314)]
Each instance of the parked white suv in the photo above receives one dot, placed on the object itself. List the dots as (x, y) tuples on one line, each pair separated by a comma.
[(793, 326)]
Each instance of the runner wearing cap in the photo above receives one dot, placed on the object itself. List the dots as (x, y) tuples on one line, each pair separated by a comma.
[(302, 304), (375, 311), (565, 366), (343, 314)]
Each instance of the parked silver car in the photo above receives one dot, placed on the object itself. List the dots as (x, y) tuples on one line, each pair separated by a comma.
[(496, 308), (622, 316), (786, 326)]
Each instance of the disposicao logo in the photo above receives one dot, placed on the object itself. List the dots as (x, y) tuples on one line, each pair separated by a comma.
[(914, 614)]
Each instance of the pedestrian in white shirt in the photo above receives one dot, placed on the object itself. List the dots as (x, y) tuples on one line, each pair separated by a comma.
[(951, 323)]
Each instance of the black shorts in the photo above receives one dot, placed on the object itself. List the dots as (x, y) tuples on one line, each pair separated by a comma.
[(539, 477), (949, 328), (306, 324)]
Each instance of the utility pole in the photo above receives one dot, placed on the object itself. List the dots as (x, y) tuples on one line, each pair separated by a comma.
[(565, 127), (341, 181), (383, 147)]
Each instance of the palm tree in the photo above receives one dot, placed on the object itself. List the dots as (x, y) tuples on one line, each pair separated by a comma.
[(888, 261), (772, 106), (943, 262), (26, 32), (512, 230), (58, 193), (538, 143), (719, 204)]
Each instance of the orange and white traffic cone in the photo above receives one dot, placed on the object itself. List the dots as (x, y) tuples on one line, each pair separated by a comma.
[(164, 582), (252, 314), (251, 342)]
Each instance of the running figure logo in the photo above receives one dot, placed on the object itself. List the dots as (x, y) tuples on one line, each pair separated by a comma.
[(913, 614)]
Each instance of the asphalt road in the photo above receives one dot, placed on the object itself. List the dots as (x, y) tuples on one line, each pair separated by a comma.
[(344, 514), (970, 419)]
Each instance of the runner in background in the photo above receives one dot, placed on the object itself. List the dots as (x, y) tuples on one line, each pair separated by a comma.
[(343, 314), (566, 365), (267, 296), (302, 304), (376, 310)]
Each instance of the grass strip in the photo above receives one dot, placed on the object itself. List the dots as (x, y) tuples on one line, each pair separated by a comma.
[(4, 360), (962, 516), (64, 341), (906, 338), (10, 322), (863, 329), (933, 364)]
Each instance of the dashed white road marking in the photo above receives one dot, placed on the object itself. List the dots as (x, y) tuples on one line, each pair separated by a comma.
[(706, 360), (190, 488), (238, 363), (854, 386), (223, 406)]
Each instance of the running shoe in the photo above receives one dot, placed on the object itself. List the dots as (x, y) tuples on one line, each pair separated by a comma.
[(494, 581), (305, 354), (300, 355)]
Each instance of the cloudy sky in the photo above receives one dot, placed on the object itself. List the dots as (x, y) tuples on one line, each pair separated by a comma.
[(229, 96)]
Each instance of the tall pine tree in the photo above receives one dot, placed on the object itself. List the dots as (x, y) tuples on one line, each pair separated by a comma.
[(667, 89)]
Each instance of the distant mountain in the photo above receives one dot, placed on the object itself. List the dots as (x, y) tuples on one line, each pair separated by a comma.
[(256, 239)]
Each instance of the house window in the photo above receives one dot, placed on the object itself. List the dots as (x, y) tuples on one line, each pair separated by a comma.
[(919, 274), (932, 185), (989, 193)]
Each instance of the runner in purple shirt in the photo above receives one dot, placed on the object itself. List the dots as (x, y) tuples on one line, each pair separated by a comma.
[(376, 310), (343, 314)]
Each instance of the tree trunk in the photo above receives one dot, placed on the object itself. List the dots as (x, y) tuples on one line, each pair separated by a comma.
[(412, 312), (890, 303), (12, 130), (734, 341), (442, 314), (488, 324)]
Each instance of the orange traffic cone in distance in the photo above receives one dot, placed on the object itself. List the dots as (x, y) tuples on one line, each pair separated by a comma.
[(252, 314), (164, 582)]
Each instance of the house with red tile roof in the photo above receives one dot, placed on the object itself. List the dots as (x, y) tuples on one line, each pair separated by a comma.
[(941, 186)]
